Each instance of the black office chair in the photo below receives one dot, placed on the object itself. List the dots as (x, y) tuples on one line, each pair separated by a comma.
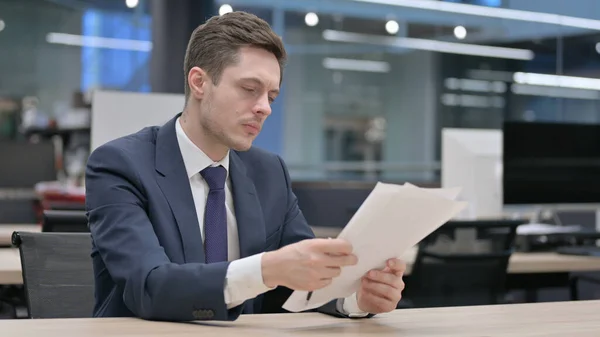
[(576, 278), (462, 263), (64, 221), (57, 274)]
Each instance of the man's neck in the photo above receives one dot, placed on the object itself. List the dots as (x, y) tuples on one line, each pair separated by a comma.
[(192, 128)]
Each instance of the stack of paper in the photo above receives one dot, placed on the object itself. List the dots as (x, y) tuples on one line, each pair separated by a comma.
[(391, 220)]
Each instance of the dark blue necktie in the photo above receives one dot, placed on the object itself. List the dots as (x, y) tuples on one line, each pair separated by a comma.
[(215, 215)]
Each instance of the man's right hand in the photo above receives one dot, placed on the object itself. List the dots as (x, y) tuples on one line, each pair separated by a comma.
[(307, 265)]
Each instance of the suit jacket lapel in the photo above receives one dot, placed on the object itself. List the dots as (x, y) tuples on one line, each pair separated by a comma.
[(248, 212), (174, 183)]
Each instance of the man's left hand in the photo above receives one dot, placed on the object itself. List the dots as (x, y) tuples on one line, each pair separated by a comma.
[(381, 290)]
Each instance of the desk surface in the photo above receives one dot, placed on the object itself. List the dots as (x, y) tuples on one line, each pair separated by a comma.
[(7, 230), (574, 319), (543, 262), (10, 264)]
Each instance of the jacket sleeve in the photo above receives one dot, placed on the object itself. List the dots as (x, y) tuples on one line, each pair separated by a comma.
[(153, 286)]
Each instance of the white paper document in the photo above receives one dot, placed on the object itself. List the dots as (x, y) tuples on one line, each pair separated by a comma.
[(391, 220)]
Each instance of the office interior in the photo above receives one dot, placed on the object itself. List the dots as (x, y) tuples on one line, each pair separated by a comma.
[(498, 97)]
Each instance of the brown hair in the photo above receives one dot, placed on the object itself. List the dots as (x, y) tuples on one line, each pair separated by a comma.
[(215, 44)]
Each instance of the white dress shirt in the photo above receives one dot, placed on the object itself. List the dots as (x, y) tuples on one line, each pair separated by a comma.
[(244, 276)]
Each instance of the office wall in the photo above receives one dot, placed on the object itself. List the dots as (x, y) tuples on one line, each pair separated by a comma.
[(411, 114), (406, 97), (133, 111), (29, 65)]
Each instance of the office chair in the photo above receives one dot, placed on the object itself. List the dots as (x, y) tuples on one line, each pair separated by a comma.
[(462, 263), (64, 221), (576, 278), (57, 273)]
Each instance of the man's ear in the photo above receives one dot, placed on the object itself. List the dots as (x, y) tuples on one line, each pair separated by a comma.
[(197, 80)]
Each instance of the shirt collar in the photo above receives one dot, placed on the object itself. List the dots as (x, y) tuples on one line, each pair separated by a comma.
[(194, 159)]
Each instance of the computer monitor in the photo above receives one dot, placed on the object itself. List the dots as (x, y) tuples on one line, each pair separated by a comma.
[(556, 165), (471, 159), (26, 164)]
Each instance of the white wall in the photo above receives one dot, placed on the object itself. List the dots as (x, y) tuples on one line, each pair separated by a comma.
[(117, 114)]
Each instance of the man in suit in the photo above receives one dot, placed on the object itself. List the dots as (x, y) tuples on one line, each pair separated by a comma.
[(189, 221)]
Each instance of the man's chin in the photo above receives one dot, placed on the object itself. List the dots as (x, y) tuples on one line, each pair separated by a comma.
[(242, 146)]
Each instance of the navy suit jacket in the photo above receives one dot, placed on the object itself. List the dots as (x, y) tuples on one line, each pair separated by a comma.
[(147, 252)]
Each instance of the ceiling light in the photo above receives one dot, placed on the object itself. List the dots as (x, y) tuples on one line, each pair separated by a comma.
[(431, 45), (537, 90), (224, 9), (460, 32), (311, 19), (392, 27), (98, 42), (557, 81), (492, 12), (2, 25), (356, 65), (597, 47), (131, 3)]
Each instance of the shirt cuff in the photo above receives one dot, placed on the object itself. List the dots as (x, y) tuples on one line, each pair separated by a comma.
[(349, 306), (244, 280)]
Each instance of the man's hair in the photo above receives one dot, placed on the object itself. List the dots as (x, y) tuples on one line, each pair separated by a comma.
[(215, 45)]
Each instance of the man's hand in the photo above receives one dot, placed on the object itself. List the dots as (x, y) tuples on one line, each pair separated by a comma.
[(381, 290), (307, 265)]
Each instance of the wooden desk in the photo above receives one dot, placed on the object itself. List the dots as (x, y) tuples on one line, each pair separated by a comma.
[(544, 262), (559, 319), (10, 266), (520, 263), (7, 230)]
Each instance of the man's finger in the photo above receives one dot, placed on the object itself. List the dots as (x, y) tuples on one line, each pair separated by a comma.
[(340, 260), (397, 266), (379, 289), (386, 278), (377, 304), (331, 272), (333, 246)]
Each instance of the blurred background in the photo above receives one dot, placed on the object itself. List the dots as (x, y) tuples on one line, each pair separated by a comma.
[(374, 90), (368, 87)]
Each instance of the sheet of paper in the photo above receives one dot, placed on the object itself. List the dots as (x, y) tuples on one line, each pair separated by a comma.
[(391, 220), (448, 193)]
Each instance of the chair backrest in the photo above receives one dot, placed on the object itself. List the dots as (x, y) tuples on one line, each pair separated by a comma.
[(57, 273), (64, 221), (463, 263)]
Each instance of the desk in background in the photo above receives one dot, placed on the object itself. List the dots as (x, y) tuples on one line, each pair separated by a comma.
[(7, 230), (536, 265), (573, 319), (10, 267), (530, 271), (10, 261)]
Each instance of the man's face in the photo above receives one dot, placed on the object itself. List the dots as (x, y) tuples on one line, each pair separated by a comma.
[(233, 112)]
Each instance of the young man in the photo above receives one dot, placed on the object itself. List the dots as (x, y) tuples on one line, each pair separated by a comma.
[(190, 222)]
